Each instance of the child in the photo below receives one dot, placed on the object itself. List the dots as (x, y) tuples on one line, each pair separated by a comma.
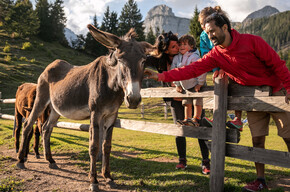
[(205, 46), (188, 53)]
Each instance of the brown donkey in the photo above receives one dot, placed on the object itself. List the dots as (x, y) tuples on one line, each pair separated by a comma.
[(25, 97), (93, 91)]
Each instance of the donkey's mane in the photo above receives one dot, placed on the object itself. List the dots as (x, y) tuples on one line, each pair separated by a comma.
[(131, 35)]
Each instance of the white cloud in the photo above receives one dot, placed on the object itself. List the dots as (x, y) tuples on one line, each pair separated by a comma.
[(79, 13)]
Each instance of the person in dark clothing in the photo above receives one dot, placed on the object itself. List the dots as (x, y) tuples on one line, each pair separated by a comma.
[(167, 44)]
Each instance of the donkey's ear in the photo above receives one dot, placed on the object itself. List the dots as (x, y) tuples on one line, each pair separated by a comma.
[(107, 39), (149, 49)]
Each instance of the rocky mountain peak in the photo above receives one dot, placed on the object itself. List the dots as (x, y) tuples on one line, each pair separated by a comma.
[(264, 12), (160, 10), (161, 18)]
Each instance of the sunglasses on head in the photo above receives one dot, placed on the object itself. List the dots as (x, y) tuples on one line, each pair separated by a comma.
[(214, 16)]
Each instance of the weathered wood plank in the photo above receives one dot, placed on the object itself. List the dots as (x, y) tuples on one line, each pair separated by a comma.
[(219, 135), (7, 100), (5, 116), (174, 130), (271, 103), (266, 156), (233, 136), (73, 126), (208, 103), (247, 91), (169, 92), (207, 91)]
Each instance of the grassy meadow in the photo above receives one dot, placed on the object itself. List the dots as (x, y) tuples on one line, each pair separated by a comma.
[(146, 162)]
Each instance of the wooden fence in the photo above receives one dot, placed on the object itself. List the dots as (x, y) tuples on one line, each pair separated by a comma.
[(220, 98)]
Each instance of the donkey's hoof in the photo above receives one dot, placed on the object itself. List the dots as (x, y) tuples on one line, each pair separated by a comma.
[(110, 184), (25, 159), (20, 166), (17, 150), (53, 166), (94, 187), (37, 156)]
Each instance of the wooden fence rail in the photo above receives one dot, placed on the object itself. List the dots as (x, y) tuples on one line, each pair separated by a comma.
[(220, 98), (142, 108)]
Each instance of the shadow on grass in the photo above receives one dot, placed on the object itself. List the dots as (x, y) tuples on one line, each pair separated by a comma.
[(69, 141)]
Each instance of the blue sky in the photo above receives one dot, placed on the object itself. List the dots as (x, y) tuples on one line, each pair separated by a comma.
[(79, 13)]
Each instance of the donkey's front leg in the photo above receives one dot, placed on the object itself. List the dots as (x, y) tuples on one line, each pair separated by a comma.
[(107, 146), (93, 149)]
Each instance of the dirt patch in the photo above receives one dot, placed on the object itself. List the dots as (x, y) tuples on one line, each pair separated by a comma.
[(283, 183), (38, 177)]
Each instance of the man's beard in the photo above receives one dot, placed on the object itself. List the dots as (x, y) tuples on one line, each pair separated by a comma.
[(218, 40)]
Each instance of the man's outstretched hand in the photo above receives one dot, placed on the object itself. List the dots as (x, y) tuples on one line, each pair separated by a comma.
[(150, 74)]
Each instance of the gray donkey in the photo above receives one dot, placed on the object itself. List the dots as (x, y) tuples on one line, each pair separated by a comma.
[(94, 91)]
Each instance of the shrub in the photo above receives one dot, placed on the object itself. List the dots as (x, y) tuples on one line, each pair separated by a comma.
[(32, 61), (8, 58), (27, 46), (23, 59), (6, 49)]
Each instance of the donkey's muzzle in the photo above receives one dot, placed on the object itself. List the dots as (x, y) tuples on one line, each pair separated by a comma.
[(132, 102)]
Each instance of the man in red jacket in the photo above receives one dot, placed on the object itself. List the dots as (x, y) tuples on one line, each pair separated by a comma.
[(248, 60)]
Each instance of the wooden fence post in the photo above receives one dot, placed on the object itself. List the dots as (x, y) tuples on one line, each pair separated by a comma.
[(218, 145), (142, 110), (165, 111)]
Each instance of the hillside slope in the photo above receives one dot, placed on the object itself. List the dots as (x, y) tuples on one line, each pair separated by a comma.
[(23, 60)]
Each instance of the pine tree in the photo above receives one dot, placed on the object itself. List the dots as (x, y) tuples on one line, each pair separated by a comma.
[(79, 43), (194, 27), (131, 18), (150, 38), (5, 6), (58, 20), (114, 23), (106, 20), (110, 22), (45, 28), (92, 46), (22, 19)]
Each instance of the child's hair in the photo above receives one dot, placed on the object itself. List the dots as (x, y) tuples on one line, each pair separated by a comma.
[(188, 39), (208, 11)]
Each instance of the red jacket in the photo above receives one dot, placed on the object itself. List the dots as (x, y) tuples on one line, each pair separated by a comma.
[(249, 60)]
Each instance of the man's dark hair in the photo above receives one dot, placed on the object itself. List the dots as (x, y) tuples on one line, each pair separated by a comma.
[(219, 19)]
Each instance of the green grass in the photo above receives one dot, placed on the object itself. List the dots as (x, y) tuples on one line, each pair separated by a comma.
[(146, 162), (10, 184)]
